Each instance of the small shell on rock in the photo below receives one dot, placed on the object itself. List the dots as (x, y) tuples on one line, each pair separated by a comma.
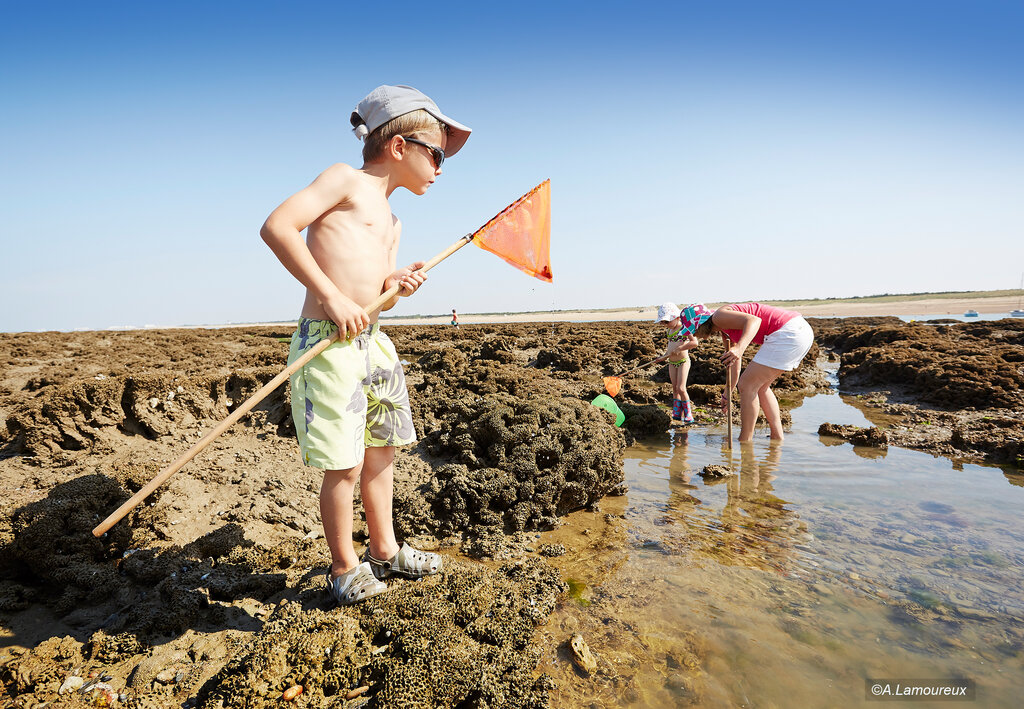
[(582, 655), (71, 684), (357, 692), (292, 692)]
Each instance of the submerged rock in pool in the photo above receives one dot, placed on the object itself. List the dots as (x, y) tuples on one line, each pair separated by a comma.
[(715, 471)]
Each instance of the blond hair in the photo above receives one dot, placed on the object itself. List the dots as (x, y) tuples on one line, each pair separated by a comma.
[(408, 124)]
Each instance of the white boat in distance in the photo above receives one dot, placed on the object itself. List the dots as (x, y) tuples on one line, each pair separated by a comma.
[(971, 314)]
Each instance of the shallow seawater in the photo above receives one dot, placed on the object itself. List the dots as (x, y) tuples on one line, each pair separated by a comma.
[(955, 316), (817, 566)]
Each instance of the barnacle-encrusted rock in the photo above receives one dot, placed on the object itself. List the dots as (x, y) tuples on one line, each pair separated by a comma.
[(322, 651), (870, 436), (460, 638), (950, 366), (516, 465)]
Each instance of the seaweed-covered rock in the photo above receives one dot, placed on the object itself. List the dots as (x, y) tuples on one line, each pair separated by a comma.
[(954, 366), (319, 650), (460, 638), (645, 420), (515, 465), (870, 436)]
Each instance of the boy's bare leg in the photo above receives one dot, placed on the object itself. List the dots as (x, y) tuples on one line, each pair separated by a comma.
[(377, 487), (336, 515)]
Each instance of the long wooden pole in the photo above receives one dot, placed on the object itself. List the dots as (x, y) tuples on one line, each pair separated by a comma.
[(728, 403), (645, 364), (256, 398)]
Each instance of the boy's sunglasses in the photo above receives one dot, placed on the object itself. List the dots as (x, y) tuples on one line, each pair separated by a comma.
[(435, 152)]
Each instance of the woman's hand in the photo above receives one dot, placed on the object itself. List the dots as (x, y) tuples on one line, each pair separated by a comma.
[(732, 356)]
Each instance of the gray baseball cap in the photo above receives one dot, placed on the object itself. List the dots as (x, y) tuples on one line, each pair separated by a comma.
[(387, 102)]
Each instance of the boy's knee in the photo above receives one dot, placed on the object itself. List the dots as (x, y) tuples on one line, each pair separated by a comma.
[(349, 475)]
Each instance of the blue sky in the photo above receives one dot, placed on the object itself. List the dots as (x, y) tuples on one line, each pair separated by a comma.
[(697, 151)]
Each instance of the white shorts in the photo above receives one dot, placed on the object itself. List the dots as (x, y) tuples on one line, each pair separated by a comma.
[(785, 348)]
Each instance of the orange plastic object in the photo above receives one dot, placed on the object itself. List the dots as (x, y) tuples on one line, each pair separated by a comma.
[(612, 385), (521, 233)]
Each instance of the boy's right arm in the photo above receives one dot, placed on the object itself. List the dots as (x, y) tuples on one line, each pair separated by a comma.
[(283, 234)]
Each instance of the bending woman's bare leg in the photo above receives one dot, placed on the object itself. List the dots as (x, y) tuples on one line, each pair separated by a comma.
[(753, 379), (770, 406)]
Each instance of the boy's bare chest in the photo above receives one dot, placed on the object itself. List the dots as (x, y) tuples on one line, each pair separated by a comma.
[(365, 226)]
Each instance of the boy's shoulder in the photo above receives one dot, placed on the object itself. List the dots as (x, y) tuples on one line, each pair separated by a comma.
[(342, 171), (342, 179)]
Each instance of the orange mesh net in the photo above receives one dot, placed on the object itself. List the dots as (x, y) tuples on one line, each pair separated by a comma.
[(521, 233), (613, 385)]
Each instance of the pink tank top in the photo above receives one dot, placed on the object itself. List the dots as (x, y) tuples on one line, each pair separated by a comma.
[(772, 319)]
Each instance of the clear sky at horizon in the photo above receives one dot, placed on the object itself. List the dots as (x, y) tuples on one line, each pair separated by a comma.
[(697, 151)]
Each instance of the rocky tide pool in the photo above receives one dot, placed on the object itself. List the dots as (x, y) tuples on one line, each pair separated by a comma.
[(815, 567)]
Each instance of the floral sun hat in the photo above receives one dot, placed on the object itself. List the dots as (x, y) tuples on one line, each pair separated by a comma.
[(667, 312), (693, 316)]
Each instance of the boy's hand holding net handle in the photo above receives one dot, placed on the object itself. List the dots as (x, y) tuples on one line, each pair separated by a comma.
[(256, 398)]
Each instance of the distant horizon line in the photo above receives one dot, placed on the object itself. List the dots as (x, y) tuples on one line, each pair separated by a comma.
[(880, 297)]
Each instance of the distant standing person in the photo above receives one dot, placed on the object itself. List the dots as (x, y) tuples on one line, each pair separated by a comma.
[(455, 318), (784, 337)]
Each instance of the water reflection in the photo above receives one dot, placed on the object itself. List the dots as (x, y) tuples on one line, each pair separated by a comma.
[(791, 581), (752, 527)]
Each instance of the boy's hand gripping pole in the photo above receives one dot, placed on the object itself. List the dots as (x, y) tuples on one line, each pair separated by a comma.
[(256, 398)]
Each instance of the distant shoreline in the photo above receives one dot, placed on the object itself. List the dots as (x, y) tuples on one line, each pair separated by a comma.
[(925, 304), (841, 308)]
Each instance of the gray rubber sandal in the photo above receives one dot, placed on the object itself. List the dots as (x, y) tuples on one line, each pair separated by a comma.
[(408, 562), (355, 585)]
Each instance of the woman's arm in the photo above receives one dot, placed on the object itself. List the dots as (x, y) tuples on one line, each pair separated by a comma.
[(747, 324)]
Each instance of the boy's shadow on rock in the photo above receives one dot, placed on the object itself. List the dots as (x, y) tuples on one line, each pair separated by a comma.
[(49, 558)]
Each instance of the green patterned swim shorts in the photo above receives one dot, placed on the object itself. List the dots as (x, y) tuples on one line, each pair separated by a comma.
[(350, 397)]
